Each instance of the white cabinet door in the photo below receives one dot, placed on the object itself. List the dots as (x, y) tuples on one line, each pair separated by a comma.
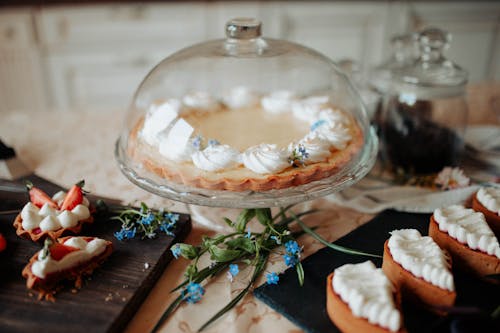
[(339, 30)]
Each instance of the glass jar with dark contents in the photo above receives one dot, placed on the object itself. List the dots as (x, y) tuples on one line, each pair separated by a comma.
[(425, 113)]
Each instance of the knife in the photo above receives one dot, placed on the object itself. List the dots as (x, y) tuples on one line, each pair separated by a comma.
[(13, 176)]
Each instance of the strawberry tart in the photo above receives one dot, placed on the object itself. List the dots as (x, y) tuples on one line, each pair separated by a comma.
[(45, 216)]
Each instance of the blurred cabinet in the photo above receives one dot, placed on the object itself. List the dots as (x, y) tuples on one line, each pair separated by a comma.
[(94, 56)]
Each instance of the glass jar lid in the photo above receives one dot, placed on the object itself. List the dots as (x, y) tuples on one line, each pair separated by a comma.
[(431, 69), (245, 121)]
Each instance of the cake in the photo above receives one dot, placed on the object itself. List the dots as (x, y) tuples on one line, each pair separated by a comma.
[(45, 216), (67, 259), (487, 201), (245, 141), (418, 267), (360, 298), (466, 236)]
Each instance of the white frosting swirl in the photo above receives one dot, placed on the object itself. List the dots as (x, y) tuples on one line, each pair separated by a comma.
[(421, 256), (368, 293), (307, 109), (337, 134), (333, 116), (200, 100), (175, 143), (278, 102), (216, 157), (86, 251), (48, 219), (240, 97), (468, 227), (317, 149), (158, 118), (265, 158), (489, 197)]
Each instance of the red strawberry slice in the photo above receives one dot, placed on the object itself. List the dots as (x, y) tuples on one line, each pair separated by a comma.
[(39, 197), (74, 196), (59, 251), (3, 243)]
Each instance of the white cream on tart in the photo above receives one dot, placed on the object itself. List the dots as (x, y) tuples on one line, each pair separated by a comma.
[(157, 119), (84, 253), (200, 100), (265, 158), (216, 157), (49, 219), (421, 256), (489, 197), (278, 102), (368, 293), (176, 140), (240, 97), (468, 227)]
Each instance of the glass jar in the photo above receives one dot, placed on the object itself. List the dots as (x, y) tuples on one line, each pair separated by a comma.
[(424, 113)]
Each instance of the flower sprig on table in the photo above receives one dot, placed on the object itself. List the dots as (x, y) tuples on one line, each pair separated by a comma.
[(144, 221), (241, 248)]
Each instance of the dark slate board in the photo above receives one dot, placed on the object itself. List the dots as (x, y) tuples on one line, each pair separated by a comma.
[(306, 305), (107, 300)]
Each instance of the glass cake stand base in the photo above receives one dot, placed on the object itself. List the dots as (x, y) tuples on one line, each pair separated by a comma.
[(213, 217)]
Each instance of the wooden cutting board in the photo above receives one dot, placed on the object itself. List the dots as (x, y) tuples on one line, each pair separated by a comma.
[(107, 300)]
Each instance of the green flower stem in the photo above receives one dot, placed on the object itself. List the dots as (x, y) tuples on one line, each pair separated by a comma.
[(259, 267), (328, 244), (167, 313)]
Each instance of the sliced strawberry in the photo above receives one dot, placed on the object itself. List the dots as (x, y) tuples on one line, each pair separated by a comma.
[(39, 197), (3, 243), (59, 251), (74, 196)]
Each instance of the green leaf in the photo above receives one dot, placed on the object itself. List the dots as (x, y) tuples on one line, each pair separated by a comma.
[(264, 216), (245, 216), (300, 273), (167, 313), (223, 255), (188, 251), (259, 267), (241, 243), (330, 245), (191, 271), (228, 222)]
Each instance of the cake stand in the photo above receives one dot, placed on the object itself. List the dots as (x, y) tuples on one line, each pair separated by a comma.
[(195, 197)]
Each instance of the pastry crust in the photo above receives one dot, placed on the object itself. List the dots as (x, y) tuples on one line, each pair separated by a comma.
[(414, 288), (48, 286), (241, 179), (492, 218), (54, 234), (476, 262), (340, 313)]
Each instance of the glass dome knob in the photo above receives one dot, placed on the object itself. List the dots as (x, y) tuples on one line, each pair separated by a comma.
[(243, 28), (432, 42)]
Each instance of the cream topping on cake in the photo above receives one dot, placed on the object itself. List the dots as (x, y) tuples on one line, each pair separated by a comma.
[(265, 158), (421, 256), (49, 219), (489, 197), (157, 119), (174, 142), (368, 293), (278, 102), (468, 227), (200, 100), (307, 109), (216, 157), (86, 251), (310, 123), (239, 97), (337, 134), (317, 149)]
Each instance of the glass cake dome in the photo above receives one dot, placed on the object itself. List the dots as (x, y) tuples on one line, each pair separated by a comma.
[(245, 122)]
